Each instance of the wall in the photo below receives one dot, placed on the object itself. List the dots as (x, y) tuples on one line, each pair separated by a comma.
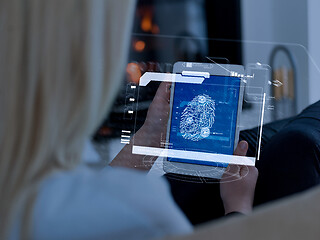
[(314, 49), (280, 22)]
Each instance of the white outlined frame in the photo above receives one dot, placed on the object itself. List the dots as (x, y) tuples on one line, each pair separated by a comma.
[(196, 75)]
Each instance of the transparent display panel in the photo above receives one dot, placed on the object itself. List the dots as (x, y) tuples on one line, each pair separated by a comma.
[(197, 106)]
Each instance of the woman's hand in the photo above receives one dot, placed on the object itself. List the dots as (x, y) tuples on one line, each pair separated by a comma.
[(151, 134), (238, 184), (154, 129)]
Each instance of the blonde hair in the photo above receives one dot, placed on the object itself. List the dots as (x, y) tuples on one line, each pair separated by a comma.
[(60, 65)]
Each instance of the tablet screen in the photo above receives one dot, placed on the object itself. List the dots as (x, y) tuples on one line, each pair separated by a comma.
[(204, 117)]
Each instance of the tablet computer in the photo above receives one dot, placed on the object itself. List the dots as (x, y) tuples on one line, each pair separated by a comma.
[(204, 119)]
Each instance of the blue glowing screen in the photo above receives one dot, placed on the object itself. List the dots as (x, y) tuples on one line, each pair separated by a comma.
[(204, 117)]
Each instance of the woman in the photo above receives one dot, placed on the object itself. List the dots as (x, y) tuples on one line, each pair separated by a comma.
[(60, 66)]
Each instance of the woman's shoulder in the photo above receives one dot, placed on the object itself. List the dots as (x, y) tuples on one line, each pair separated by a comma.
[(113, 202)]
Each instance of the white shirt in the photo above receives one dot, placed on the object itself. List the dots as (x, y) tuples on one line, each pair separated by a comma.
[(113, 203)]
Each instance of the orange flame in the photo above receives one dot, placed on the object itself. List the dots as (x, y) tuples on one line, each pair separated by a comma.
[(139, 46), (146, 23), (133, 72)]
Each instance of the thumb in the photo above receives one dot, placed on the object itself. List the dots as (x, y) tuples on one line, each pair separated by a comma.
[(163, 92), (241, 149)]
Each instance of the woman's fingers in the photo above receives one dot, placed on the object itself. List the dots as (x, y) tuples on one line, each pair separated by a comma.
[(241, 149)]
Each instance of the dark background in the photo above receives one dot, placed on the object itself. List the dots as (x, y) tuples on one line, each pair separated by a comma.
[(223, 26)]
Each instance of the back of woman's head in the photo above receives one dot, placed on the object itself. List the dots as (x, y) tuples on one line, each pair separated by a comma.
[(60, 64)]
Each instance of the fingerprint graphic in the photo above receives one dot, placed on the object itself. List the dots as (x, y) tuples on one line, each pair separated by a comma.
[(197, 118)]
